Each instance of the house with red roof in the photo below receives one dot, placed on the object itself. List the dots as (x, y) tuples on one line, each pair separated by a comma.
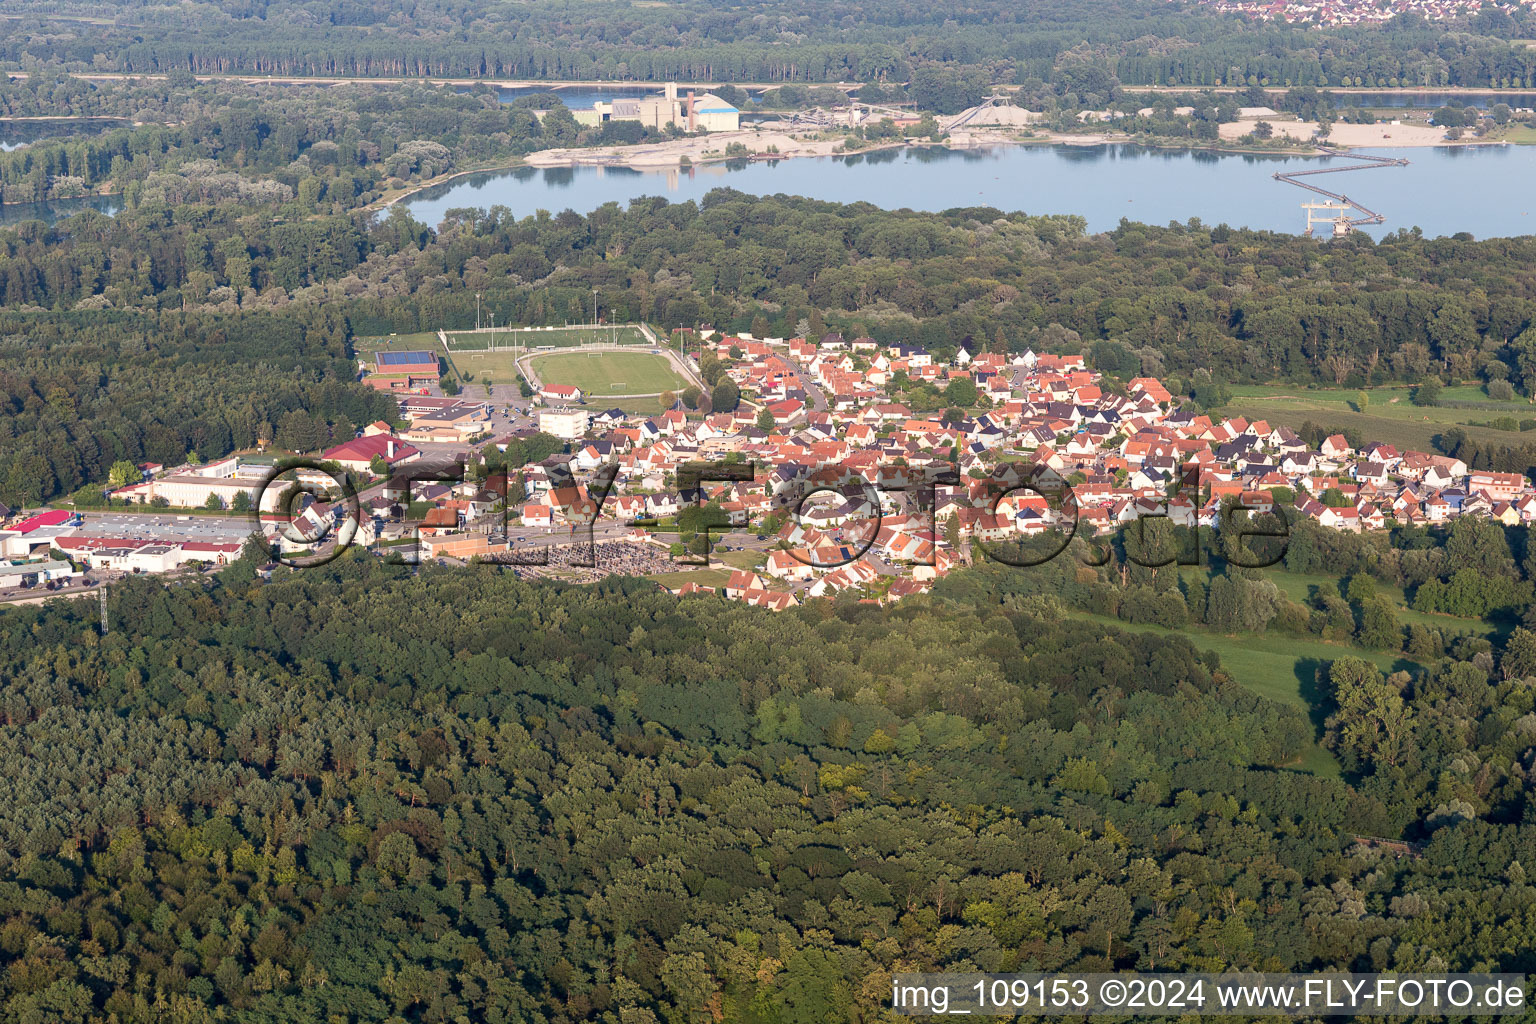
[(359, 453)]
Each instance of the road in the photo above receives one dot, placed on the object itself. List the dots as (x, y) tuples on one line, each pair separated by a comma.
[(812, 390)]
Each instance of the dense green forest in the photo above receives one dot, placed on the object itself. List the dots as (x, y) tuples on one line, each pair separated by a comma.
[(357, 793), (82, 391), (332, 148), (699, 40)]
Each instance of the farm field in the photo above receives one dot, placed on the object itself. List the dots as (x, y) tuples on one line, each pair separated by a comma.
[(607, 373), (1388, 416), (554, 337)]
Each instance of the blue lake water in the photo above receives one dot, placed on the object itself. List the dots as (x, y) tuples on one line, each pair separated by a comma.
[(1430, 99), (1483, 190)]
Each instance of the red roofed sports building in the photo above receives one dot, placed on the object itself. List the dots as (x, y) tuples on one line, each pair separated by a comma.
[(564, 392)]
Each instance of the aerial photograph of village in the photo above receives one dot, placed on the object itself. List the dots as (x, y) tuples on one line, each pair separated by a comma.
[(767, 513)]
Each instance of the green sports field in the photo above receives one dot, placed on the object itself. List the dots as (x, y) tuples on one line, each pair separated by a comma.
[(479, 367), (607, 373), (554, 337)]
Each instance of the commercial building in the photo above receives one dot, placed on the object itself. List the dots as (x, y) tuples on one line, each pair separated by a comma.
[(453, 424), (191, 486), (429, 407), (137, 555)]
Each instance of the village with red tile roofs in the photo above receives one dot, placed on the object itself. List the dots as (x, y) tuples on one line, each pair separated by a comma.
[(813, 415), (1355, 12)]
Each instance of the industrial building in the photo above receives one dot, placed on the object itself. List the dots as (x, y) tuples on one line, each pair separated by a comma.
[(34, 536), (28, 574), (690, 112), (191, 486)]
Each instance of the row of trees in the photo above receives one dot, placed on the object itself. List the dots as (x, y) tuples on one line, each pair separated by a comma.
[(785, 42)]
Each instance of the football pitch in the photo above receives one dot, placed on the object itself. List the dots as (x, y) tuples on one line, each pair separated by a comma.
[(609, 373), (554, 337)]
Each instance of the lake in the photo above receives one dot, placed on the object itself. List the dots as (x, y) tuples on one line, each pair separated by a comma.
[(53, 209), (15, 134), (1429, 99), (1484, 190)]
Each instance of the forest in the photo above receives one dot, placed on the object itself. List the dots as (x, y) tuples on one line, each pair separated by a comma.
[(1139, 42), (81, 391), (222, 142), (371, 793)]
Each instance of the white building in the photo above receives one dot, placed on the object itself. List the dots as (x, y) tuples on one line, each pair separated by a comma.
[(692, 113), (226, 478), (567, 424)]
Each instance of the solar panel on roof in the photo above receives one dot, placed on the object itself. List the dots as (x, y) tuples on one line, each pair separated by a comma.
[(402, 358)]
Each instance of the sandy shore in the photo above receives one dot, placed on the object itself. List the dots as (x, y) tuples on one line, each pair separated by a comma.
[(1361, 136), (779, 145), (699, 150), (787, 144)]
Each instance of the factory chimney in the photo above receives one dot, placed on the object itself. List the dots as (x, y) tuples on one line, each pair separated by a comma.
[(693, 120)]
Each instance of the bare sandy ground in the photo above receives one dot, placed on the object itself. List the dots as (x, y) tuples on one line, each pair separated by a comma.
[(788, 144), (765, 144), (1361, 136), (672, 152)]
